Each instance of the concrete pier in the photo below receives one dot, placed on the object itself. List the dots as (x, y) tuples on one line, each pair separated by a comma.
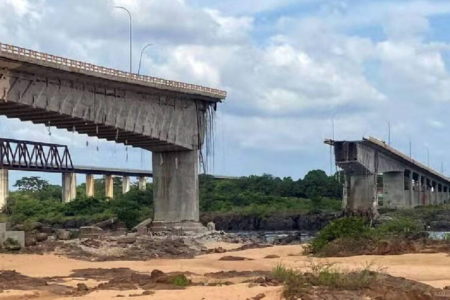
[(142, 183), (90, 185), (360, 191), (69, 187), (125, 184), (394, 190), (4, 187), (175, 192), (109, 186)]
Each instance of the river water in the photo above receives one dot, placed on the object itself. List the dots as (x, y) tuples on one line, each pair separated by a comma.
[(270, 236)]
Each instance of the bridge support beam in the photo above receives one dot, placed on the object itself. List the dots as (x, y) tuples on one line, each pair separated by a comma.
[(125, 184), (109, 186), (175, 191), (90, 185), (4, 187), (142, 183), (69, 186)]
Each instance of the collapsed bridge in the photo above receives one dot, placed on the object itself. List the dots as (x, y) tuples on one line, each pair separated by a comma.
[(167, 117), (406, 182)]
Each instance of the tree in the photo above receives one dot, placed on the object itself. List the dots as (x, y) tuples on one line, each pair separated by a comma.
[(31, 184)]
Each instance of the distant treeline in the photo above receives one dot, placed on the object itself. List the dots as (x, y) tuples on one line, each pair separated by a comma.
[(37, 200)]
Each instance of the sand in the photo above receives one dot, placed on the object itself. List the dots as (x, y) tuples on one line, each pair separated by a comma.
[(433, 269)]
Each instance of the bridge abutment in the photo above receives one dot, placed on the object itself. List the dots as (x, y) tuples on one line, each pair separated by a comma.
[(69, 187), (175, 191), (4, 187)]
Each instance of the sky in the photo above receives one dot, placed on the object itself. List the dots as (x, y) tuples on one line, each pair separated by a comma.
[(291, 68)]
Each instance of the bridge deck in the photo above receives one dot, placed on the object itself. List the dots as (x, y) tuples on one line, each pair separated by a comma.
[(61, 63)]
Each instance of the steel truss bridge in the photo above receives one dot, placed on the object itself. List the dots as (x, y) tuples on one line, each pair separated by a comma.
[(20, 155)]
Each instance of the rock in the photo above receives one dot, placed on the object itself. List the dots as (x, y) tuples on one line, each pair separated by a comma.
[(142, 230), (63, 235), (217, 250), (11, 245), (272, 256), (295, 238), (234, 258), (260, 280), (40, 237), (81, 287), (90, 232), (147, 292), (157, 274), (143, 224), (211, 226), (46, 229), (126, 240), (259, 297), (30, 241)]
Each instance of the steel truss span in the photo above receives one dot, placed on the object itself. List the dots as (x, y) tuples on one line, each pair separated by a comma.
[(34, 156)]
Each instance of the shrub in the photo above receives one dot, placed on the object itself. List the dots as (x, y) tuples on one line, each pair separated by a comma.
[(327, 275), (180, 280), (341, 228), (281, 273), (398, 226)]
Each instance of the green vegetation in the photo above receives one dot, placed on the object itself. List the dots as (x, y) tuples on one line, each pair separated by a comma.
[(265, 195), (351, 235), (180, 280), (354, 228), (37, 200), (323, 274)]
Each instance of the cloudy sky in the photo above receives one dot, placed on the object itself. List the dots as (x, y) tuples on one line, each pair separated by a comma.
[(289, 66)]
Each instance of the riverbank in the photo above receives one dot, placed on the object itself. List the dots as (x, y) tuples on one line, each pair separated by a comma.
[(432, 269)]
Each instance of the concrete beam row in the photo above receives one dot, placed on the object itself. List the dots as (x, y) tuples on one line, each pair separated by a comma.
[(69, 185)]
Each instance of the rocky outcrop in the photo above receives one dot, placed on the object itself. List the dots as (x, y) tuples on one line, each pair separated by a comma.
[(302, 222)]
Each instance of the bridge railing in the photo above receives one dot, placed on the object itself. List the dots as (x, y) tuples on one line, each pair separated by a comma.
[(164, 83), (26, 155)]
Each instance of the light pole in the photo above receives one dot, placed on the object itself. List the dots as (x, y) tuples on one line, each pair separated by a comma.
[(140, 59), (131, 37)]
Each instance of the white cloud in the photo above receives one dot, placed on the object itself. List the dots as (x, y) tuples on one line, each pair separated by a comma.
[(285, 79)]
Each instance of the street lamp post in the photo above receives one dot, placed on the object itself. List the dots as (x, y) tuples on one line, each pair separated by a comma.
[(140, 59), (131, 37)]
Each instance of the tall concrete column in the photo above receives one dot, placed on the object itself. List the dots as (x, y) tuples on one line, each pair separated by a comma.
[(345, 191), (394, 189), (410, 203), (142, 183), (420, 187), (90, 185), (109, 186), (435, 193), (125, 184), (175, 190), (360, 193), (69, 186), (4, 187)]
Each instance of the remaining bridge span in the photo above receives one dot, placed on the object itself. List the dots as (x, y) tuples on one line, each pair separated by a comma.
[(167, 117), (405, 182)]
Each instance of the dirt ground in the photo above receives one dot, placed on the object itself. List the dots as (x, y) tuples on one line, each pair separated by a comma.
[(432, 269)]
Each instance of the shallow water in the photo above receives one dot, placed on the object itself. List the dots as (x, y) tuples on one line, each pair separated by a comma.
[(438, 235), (271, 236)]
